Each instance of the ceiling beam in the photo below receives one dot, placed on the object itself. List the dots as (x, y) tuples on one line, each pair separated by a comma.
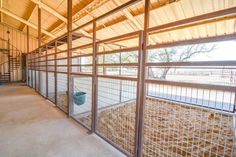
[(49, 10), (35, 8), (130, 17), (62, 18), (80, 11), (25, 22), (58, 15)]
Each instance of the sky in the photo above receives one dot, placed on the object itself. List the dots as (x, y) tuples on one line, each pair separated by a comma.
[(225, 50)]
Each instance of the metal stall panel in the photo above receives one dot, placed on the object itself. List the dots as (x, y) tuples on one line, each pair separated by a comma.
[(117, 72), (37, 80), (82, 109), (62, 92), (116, 115), (29, 78), (43, 83), (33, 78), (189, 110), (51, 87)]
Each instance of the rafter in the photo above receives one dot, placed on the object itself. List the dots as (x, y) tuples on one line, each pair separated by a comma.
[(58, 15), (132, 18), (25, 22), (35, 8), (79, 11)]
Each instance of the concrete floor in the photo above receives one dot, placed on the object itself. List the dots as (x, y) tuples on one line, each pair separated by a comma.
[(30, 126)]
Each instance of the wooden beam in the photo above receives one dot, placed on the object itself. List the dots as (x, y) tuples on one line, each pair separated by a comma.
[(76, 12), (32, 13), (50, 10), (26, 22), (132, 19), (58, 15)]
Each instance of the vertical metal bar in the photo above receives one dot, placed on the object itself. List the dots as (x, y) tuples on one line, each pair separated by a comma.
[(138, 104), (35, 80), (39, 44), (9, 59), (69, 53), (32, 63), (141, 83), (27, 65), (94, 81), (120, 72), (55, 73), (46, 71)]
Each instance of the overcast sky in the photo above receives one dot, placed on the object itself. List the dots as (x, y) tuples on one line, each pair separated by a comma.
[(224, 51)]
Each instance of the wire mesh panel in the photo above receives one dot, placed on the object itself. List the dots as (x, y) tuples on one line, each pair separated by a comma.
[(117, 92), (29, 78), (37, 80), (51, 86), (189, 108), (43, 83), (33, 78), (62, 92), (82, 68), (82, 96), (116, 111)]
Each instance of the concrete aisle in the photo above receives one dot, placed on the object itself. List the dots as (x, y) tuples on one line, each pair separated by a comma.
[(31, 127)]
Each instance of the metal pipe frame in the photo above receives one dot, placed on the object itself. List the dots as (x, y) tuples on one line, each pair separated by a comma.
[(55, 73), (142, 49), (94, 81), (39, 43), (69, 60)]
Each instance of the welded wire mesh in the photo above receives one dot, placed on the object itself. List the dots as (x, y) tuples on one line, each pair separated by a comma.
[(51, 86), (33, 78), (189, 110), (43, 83), (37, 80), (115, 120), (29, 78), (83, 84), (174, 129), (62, 101)]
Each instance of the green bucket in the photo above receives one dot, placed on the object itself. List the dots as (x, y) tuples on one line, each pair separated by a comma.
[(79, 98)]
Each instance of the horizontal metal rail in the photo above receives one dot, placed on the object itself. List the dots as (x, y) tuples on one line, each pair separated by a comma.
[(193, 85), (194, 63)]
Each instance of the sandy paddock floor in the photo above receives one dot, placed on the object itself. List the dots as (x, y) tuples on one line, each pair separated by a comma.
[(170, 129)]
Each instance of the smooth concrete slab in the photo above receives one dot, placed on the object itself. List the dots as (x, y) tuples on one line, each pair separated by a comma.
[(30, 126)]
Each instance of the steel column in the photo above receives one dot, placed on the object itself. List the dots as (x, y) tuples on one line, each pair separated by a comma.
[(9, 58), (39, 43), (69, 54), (27, 56), (141, 83), (94, 81), (46, 71), (55, 73)]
